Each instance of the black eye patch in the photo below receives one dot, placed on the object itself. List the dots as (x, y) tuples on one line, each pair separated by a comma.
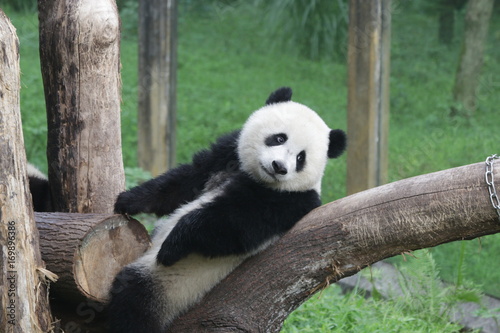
[(301, 161), (276, 140)]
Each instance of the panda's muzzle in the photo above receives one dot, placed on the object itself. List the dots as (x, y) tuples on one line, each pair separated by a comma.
[(279, 168), (271, 170)]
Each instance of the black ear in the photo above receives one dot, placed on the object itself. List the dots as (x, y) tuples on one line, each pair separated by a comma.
[(338, 143), (283, 94)]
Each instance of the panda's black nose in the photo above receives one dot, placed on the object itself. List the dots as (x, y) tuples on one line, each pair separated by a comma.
[(279, 168)]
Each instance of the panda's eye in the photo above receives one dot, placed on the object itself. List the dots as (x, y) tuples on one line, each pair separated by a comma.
[(276, 140), (301, 156), (301, 161)]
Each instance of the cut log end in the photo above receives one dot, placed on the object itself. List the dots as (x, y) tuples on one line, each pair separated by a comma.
[(86, 251), (104, 251)]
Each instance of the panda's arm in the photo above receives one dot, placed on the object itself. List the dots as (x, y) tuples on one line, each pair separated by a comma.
[(167, 192), (200, 231), (235, 225), (208, 231), (163, 194)]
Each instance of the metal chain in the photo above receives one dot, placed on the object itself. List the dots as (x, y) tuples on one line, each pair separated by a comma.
[(489, 176)]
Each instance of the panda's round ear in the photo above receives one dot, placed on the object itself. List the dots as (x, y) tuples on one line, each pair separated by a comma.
[(283, 94), (338, 143)]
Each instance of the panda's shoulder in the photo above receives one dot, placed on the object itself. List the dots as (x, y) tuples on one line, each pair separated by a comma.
[(221, 153)]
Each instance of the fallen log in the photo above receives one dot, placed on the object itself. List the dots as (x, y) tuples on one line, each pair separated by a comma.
[(86, 251)]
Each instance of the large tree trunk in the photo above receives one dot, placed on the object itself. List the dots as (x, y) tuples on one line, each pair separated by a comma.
[(477, 20), (339, 239), (79, 51), (24, 303), (157, 84)]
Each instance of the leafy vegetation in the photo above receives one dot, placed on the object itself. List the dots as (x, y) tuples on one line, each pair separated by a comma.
[(228, 63)]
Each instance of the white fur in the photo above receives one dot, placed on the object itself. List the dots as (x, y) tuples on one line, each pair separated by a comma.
[(305, 130), (34, 172)]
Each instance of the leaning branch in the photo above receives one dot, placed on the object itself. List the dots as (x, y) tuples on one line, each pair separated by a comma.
[(339, 239)]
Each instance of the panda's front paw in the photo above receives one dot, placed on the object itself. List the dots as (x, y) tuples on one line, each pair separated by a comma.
[(126, 204)]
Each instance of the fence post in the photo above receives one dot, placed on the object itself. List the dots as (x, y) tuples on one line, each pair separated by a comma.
[(368, 95), (157, 84)]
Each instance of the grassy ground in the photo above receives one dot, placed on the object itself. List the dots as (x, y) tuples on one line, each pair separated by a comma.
[(424, 306), (227, 67)]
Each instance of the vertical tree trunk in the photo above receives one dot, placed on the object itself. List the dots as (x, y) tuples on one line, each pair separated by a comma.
[(368, 97), (79, 51), (24, 303), (157, 84), (477, 20)]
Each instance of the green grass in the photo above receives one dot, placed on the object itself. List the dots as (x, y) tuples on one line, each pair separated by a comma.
[(227, 67), (423, 306)]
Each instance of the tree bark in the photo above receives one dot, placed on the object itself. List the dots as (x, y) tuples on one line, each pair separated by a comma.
[(79, 51), (86, 251), (157, 84), (339, 239), (24, 305), (477, 19)]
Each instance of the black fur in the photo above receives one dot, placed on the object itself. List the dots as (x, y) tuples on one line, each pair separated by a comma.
[(338, 143), (164, 194), (283, 94), (135, 303), (232, 224), (40, 194)]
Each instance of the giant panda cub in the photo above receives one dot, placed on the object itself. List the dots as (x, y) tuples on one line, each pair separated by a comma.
[(233, 201)]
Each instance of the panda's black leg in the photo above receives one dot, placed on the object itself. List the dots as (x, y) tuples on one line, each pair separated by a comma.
[(134, 304)]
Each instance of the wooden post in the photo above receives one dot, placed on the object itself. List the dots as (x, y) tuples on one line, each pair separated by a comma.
[(80, 57), (24, 303), (157, 84), (368, 96), (477, 20)]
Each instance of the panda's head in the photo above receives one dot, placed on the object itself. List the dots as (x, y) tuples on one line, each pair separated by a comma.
[(285, 145)]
